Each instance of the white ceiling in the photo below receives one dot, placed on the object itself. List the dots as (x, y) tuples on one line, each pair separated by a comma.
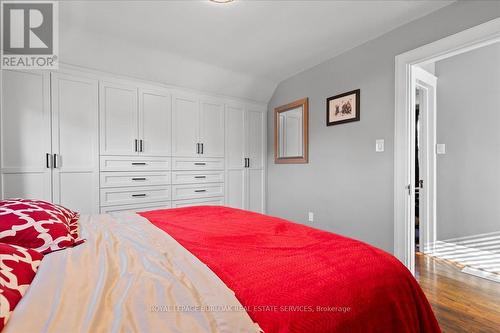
[(256, 44)]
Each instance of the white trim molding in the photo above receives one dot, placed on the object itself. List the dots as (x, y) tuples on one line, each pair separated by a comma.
[(404, 207)]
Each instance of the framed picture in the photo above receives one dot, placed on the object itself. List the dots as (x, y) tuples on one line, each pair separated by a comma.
[(342, 108)]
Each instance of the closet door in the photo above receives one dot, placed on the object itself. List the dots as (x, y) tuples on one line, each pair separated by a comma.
[(119, 119), (185, 126), (155, 122), (236, 173), (255, 152), (25, 135), (75, 126), (212, 128)]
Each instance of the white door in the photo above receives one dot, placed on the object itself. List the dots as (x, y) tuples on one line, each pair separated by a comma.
[(155, 122), (425, 83), (255, 141), (235, 157), (25, 135), (255, 190), (185, 126), (119, 119), (75, 126), (212, 129)]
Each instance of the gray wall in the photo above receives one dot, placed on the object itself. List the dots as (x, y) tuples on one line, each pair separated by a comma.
[(346, 184), (468, 122)]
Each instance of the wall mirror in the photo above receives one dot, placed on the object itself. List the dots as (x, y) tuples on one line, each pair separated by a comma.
[(291, 132)]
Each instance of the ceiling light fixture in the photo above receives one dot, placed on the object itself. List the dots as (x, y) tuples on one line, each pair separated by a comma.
[(221, 1)]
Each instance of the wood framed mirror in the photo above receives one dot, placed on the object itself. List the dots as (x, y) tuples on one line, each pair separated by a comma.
[(291, 132)]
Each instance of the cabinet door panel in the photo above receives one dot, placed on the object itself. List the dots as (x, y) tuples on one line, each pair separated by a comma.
[(256, 190), (185, 126), (25, 135), (255, 138), (119, 119), (75, 141), (235, 157), (155, 122), (236, 188), (29, 185), (235, 137), (212, 129)]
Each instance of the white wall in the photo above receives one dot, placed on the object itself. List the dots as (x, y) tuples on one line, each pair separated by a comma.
[(347, 184), (468, 122)]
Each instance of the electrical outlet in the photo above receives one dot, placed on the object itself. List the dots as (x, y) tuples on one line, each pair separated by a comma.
[(311, 217)]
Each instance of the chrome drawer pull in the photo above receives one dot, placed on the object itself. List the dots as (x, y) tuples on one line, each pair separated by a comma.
[(199, 163), (138, 178), (198, 191), (138, 195), (200, 177), (138, 163)]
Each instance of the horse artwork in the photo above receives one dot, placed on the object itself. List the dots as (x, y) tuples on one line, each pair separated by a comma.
[(343, 108)]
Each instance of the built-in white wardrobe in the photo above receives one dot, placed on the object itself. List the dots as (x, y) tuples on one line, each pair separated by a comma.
[(245, 139), (101, 143), (49, 138)]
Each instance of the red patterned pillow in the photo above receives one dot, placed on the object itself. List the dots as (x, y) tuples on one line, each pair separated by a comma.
[(18, 267), (38, 225)]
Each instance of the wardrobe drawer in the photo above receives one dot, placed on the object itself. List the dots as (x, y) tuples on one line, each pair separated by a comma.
[(136, 208), (193, 177), (133, 195), (180, 192), (134, 163), (120, 179), (198, 202), (194, 163)]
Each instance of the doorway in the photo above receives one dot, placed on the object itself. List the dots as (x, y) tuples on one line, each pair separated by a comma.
[(406, 183), (425, 87)]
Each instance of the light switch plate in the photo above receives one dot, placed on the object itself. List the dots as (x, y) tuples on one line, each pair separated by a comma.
[(379, 145), (440, 149), (311, 217)]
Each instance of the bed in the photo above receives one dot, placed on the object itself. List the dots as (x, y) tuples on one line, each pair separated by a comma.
[(218, 269)]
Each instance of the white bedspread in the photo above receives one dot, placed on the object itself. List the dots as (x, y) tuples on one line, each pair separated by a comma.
[(127, 277)]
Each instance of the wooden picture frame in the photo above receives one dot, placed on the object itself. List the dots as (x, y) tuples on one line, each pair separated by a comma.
[(304, 158), (343, 108)]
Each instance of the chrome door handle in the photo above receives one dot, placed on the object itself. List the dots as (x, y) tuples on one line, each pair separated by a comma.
[(136, 149), (141, 146), (202, 148), (55, 161)]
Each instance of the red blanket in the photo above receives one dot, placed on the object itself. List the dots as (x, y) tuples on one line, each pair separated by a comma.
[(293, 278)]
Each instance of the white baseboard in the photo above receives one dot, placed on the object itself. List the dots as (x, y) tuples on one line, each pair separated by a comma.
[(482, 274)]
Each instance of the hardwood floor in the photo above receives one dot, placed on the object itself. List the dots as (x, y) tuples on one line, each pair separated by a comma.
[(461, 302)]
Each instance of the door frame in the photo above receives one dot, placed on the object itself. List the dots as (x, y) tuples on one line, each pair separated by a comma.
[(404, 138)]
